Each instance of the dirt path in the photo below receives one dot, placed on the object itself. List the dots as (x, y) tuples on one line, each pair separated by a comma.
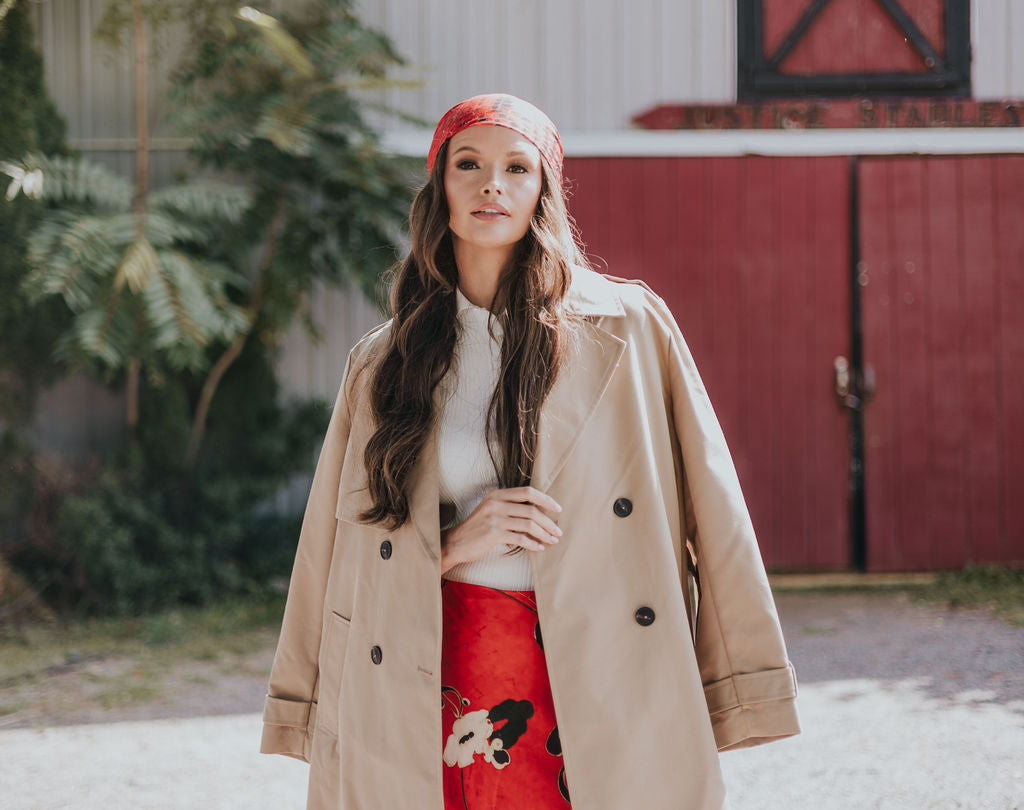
[(902, 705)]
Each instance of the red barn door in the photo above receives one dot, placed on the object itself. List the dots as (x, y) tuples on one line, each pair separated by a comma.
[(752, 256), (943, 317)]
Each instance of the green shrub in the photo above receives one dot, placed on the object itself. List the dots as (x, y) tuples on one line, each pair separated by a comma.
[(151, 532)]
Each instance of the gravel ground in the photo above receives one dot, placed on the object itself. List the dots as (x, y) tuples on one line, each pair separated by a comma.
[(903, 706)]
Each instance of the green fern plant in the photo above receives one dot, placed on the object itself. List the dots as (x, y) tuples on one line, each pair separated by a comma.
[(142, 288)]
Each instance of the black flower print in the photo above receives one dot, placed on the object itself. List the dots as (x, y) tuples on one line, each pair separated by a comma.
[(554, 747), (515, 713)]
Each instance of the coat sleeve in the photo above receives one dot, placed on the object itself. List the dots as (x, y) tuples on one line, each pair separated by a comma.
[(749, 682), (289, 714)]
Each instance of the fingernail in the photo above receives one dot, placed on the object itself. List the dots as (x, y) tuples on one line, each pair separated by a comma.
[(559, 530)]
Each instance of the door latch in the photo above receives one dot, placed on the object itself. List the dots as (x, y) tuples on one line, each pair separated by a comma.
[(853, 390)]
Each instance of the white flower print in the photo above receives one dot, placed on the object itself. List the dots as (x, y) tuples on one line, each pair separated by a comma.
[(468, 738)]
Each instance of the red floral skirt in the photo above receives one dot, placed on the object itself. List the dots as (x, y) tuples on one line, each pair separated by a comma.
[(500, 746)]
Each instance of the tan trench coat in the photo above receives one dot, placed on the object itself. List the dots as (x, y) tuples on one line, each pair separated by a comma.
[(642, 709)]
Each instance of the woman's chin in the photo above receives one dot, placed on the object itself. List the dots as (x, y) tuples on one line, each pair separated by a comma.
[(484, 239)]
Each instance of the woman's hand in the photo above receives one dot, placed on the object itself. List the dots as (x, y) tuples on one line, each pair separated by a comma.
[(505, 516)]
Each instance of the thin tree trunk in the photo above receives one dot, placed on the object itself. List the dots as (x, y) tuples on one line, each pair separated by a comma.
[(141, 190), (132, 394), (141, 122), (231, 353)]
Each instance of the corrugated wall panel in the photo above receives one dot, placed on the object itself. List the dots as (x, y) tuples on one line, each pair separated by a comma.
[(997, 34), (314, 369), (590, 64), (77, 418), (94, 87)]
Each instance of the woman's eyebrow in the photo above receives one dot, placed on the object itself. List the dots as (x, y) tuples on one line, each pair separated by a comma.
[(510, 153)]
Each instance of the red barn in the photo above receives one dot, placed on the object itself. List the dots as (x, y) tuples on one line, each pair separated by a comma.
[(828, 193)]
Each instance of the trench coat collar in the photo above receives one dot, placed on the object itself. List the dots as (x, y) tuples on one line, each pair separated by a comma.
[(589, 294), (578, 388), (592, 294)]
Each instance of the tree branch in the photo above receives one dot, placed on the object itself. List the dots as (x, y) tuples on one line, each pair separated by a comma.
[(231, 353)]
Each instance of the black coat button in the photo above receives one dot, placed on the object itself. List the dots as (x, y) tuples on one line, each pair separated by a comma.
[(623, 507), (644, 616), (385, 549), (376, 654)]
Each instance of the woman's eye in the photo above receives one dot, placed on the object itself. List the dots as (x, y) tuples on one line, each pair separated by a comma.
[(466, 164), (518, 168)]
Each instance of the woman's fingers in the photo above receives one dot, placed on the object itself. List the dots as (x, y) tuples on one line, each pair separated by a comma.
[(522, 510), (527, 527), (528, 495), (510, 516)]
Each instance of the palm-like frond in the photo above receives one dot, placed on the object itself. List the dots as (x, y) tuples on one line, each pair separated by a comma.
[(79, 182), (137, 267), (72, 256), (134, 292), (277, 39), (186, 309), (107, 332), (203, 201)]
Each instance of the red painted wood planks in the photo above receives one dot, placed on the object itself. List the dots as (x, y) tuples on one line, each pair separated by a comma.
[(980, 268), (945, 410), (746, 251), (826, 334), (1008, 182), (853, 36), (945, 255), (879, 305)]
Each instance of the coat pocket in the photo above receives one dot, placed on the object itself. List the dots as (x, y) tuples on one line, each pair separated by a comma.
[(332, 665)]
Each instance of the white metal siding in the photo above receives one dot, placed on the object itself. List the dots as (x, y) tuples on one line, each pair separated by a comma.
[(997, 34), (94, 88), (314, 369), (590, 64)]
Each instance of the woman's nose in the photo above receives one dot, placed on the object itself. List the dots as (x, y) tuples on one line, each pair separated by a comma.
[(492, 184)]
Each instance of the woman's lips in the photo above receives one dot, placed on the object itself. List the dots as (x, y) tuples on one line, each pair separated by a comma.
[(488, 216)]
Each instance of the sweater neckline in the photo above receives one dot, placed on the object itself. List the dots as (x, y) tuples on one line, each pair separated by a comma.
[(462, 303)]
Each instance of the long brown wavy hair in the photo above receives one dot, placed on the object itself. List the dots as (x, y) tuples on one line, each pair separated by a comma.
[(537, 333)]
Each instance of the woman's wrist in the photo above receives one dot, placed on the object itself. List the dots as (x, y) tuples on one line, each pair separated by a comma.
[(447, 560)]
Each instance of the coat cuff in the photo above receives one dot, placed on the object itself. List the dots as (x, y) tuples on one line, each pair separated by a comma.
[(753, 708), (288, 727)]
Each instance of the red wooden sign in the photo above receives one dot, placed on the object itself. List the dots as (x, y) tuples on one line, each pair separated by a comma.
[(863, 113)]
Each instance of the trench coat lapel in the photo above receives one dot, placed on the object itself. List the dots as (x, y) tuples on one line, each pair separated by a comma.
[(582, 379), (573, 398)]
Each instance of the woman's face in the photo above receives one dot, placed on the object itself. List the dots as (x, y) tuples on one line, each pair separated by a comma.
[(492, 181)]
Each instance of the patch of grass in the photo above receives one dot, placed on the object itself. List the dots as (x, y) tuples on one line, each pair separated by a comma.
[(127, 693), (995, 587), (12, 708), (33, 651)]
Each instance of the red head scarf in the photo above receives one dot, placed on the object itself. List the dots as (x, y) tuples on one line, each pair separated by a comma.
[(503, 110)]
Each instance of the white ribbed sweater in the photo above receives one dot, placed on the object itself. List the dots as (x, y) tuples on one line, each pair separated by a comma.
[(465, 468)]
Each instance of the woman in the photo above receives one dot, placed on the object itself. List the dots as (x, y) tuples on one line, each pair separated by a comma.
[(521, 472)]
